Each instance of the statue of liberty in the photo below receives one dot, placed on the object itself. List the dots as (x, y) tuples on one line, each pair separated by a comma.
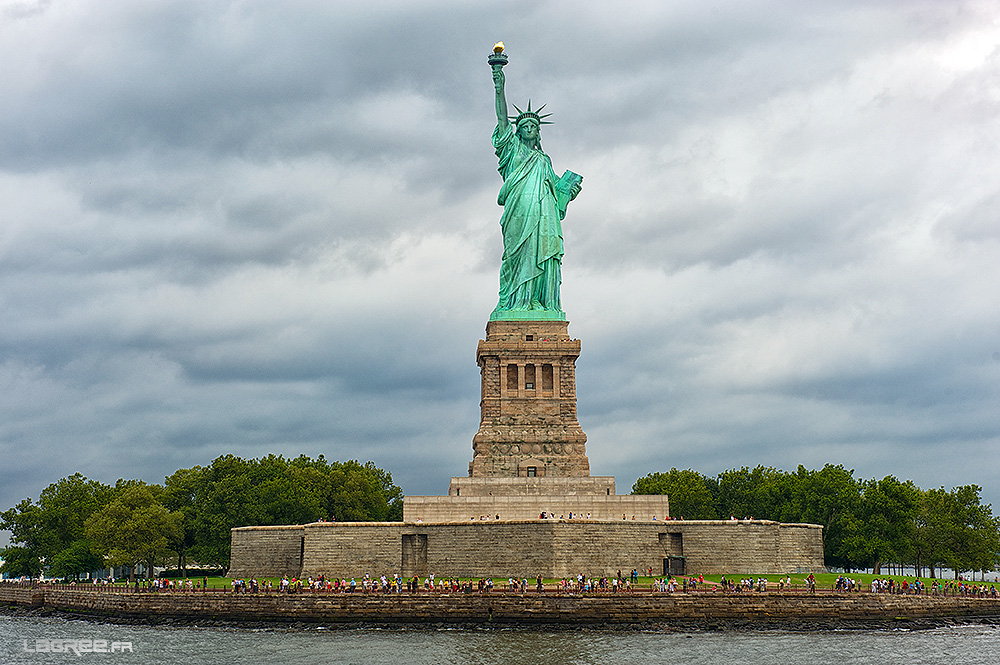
[(534, 203)]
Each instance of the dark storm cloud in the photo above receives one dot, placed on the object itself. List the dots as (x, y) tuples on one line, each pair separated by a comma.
[(258, 227)]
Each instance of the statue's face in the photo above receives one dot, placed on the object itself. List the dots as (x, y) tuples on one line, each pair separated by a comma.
[(528, 131)]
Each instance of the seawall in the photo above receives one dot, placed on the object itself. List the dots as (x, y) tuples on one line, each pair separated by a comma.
[(702, 609)]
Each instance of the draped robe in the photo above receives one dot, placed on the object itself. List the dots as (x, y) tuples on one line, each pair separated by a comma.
[(531, 268)]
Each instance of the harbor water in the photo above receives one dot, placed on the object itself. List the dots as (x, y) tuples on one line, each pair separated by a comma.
[(42, 640)]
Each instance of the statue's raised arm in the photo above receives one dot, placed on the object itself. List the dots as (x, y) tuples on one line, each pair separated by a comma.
[(498, 83), (534, 203)]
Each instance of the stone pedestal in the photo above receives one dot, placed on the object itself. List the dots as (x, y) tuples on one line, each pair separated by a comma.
[(528, 426)]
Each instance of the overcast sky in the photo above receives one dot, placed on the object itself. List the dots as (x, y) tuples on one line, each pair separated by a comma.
[(271, 227)]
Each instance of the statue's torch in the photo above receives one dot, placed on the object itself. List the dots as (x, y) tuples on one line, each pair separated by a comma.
[(498, 58)]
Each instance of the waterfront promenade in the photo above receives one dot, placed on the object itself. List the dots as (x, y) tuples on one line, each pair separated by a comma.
[(698, 609)]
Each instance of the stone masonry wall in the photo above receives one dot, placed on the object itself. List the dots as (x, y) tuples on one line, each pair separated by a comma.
[(500, 608), (547, 486), (270, 551), (552, 548), (798, 546), (600, 507), (347, 549)]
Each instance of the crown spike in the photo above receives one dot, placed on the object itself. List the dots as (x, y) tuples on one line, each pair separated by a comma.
[(529, 113)]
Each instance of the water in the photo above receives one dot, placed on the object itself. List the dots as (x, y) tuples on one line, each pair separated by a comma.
[(969, 645)]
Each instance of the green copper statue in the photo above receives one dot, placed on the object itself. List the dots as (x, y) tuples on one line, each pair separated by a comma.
[(534, 203)]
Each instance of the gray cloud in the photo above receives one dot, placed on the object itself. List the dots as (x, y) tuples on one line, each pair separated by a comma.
[(266, 227)]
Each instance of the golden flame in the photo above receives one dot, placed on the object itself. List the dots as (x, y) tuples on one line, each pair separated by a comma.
[(498, 47)]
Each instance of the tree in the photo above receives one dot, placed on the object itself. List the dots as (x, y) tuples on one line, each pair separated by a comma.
[(751, 493), (52, 525), (887, 532), (363, 492), (830, 497), (233, 492), (975, 532), (20, 562), (690, 493), (934, 531), (954, 529), (135, 527), (75, 560), (989, 533), (25, 524), (180, 494)]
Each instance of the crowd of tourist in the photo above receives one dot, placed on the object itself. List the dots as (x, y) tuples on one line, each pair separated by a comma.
[(749, 584), (610, 584), (370, 584), (935, 588), (166, 584)]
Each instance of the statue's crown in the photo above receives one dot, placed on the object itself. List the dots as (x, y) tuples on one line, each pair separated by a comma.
[(530, 115)]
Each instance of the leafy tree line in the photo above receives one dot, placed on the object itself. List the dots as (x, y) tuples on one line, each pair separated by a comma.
[(80, 525), (866, 523)]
